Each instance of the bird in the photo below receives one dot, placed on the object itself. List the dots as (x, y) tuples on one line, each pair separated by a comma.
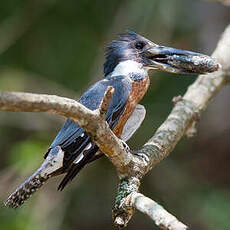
[(127, 63)]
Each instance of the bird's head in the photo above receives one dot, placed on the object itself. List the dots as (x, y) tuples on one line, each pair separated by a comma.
[(134, 48)]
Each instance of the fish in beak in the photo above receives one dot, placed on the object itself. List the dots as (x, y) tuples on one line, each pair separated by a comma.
[(179, 61)]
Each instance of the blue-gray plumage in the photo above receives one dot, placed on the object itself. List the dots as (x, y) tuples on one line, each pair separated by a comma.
[(128, 61), (92, 99), (73, 139)]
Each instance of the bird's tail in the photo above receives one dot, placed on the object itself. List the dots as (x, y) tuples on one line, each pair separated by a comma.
[(50, 167)]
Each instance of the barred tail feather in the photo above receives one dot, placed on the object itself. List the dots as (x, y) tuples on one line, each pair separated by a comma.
[(24, 191), (50, 167)]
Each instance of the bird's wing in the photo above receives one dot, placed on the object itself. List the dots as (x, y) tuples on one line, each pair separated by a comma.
[(131, 126), (133, 123), (74, 141), (91, 151)]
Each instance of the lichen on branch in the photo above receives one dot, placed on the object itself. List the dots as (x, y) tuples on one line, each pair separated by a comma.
[(132, 166)]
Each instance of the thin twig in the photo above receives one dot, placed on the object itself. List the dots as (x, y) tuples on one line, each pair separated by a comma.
[(156, 212), (106, 100), (131, 167)]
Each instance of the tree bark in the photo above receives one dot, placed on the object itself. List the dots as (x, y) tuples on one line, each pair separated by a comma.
[(132, 166)]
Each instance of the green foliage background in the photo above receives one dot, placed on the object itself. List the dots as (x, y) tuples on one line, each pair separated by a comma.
[(57, 47)]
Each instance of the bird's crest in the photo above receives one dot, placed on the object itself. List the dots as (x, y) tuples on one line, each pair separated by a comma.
[(121, 50)]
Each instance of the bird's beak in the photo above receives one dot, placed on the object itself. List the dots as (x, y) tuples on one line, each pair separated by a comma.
[(179, 61)]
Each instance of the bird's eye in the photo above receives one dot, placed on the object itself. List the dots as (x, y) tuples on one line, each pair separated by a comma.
[(139, 45)]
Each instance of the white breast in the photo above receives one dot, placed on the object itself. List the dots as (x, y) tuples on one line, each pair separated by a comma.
[(127, 67)]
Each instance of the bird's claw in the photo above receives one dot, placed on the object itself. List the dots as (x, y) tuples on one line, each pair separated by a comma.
[(142, 155), (125, 145)]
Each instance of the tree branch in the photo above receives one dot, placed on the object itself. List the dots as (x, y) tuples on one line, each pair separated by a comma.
[(92, 121), (131, 167), (179, 121), (156, 212)]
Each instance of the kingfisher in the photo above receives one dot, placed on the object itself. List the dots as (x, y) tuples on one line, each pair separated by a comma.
[(128, 60)]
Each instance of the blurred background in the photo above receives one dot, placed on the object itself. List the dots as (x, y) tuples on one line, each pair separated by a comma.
[(57, 47)]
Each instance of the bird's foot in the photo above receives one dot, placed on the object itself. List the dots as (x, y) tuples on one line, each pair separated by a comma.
[(125, 145), (142, 155)]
